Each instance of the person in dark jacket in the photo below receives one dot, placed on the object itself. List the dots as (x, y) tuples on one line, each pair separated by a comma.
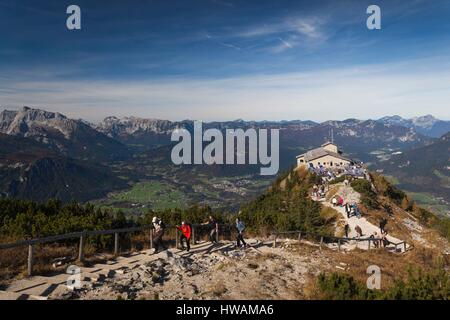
[(214, 229), (186, 231), (383, 224), (346, 229), (347, 210)]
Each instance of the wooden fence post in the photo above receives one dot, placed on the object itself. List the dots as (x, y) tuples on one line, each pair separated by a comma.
[(116, 244), (339, 245), (193, 235), (81, 248), (404, 246), (369, 244), (30, 260), (275, 241), (217, 235), (177, 240), (321, 242)]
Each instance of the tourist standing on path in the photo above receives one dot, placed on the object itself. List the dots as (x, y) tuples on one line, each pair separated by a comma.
[(159, 232), (383, 223), (186, 231), (359, 231), (334, 201), (214, 229), (384, 240), (346, 229), (374, 236), (347, 210), (240, 233)]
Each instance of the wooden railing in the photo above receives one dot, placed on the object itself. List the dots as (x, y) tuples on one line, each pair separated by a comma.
[(339, 241), (31, 243)]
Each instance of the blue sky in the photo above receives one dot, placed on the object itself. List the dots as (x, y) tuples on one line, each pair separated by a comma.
[(227, 59)]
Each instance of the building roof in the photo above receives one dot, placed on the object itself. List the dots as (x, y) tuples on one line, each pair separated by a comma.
[(327, 143), (319, 153)]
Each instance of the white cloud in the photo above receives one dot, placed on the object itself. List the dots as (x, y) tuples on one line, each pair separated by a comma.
[(287, 33), (360, 92)]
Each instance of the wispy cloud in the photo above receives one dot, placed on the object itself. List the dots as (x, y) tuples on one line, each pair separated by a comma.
[(289, 32), (282, 46), (360, 92)]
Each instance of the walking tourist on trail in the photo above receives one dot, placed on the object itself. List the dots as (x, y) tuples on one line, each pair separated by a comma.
[(186, 231), (374, 236), (383, 223), (334, 201), (159, 232), (240, 231), (340, 201), (359, 231), (347, 210), (384, 239), (214, 229), (346, 229), (356, 210)]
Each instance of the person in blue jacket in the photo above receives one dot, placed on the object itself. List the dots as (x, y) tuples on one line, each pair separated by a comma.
[(240, 231)]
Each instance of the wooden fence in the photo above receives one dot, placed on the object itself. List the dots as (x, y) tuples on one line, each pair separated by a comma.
[(338, 240), (31, 243)]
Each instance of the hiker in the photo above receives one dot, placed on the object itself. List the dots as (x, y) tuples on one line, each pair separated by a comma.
[(374, 236), (240, 230), (359, 231), (214, 229), (315, 191), (356, 210), (346, 229), (352, 211), (384, 240), (340, 201), (186, 231), (334, 201), (159, 226), (347, 210), (383, 223)]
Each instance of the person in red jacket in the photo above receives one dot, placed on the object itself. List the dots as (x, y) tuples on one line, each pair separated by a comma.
[(186, 231)]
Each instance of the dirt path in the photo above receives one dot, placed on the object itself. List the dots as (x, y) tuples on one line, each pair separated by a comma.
[(367, 228), (207, 272)]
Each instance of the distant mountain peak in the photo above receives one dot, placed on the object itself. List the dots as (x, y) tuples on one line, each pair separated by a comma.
[(75, 138), (426, 121), (427, 125)]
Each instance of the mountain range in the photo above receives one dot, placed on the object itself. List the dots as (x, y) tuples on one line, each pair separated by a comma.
[(425, 168), (68, 137), (426, 125), (75, 159)]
